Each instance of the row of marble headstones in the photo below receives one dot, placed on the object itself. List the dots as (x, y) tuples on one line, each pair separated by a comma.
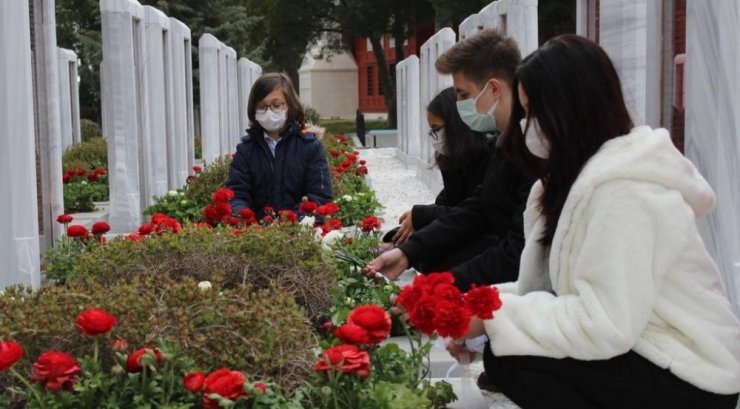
[(418, 82), (147, 96), (632, 32)]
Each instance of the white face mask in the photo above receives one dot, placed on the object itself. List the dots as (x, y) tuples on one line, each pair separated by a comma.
[(469, 113), (271, 121), (535, 139), (440, 145)]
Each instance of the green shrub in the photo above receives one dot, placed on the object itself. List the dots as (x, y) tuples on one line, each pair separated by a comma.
[(198, 148), (284, 254), (93, 152), (75, 164), (90, 130), (79, 196), (213, 176), (262, 332), (174, 204), (345, 126), (312, 116)]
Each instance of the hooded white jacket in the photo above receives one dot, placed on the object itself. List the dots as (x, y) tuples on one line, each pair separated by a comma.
[(627, 270)]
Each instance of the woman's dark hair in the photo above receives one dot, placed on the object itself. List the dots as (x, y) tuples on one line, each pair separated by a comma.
[(575, 93), (264, 86), (462, 144)]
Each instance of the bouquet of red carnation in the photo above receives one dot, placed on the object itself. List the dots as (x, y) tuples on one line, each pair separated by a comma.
[(434, 304)]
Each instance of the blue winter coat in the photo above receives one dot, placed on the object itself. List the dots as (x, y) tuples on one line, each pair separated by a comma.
[(298, 169)]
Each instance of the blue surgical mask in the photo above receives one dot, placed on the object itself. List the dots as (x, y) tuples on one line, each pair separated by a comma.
[(469, 114)]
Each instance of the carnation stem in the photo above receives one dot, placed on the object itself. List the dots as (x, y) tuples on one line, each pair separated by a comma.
[(29, 386)]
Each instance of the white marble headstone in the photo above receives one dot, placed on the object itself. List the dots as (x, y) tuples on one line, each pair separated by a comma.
[(432, 82), (19, 236), (469, 26), (209, 50), (408, 107), (517, 18), (712, 136), (234, 133), (249, 71), (180, 140), (69, 101)]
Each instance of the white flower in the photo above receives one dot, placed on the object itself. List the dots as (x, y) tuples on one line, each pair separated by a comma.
[(204, 285), (172, 193), (347, 198), (331, 238), (83, 183), (308, 221), (182, 194), (183, 202)]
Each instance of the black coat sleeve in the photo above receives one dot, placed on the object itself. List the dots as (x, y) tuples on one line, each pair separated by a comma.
[(423, 215), (240, 179), (318, 181)]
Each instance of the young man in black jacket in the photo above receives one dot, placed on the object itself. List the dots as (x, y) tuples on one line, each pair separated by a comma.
[(480, 240)]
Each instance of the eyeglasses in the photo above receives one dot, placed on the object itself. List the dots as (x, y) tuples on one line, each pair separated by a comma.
[(434, 132), (275, 106)]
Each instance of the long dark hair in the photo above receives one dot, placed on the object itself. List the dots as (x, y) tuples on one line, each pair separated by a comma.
[(264, 86), (462, 144), (575, 94)]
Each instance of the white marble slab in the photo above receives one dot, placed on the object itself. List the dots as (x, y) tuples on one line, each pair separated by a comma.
[(408, 107), (432, 82), (69, 100), (469, 26), (517, 18), (19, 236), (234, 133), (712, 135), (180, 138), (210, 123)]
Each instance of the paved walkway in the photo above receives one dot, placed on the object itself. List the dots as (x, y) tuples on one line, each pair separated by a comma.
[(398, 188)]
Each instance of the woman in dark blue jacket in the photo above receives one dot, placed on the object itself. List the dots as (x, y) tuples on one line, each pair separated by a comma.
[(277, 163)]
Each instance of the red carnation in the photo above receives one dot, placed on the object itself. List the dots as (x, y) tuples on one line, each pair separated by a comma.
[(288, 216), (261, 387), (167, 225), (268, 210), (268, 219), (157, 217), (81, 172), (64, 218), (77, 231), (95, 321), (346, 359), (373, 319), (363, 162), (308, 207), (327, 209), (451, 319), (119, 345), (246, 214), (423, 313), (226, 383), (194, 381), (353, 334), (146, 228), (335, 153), (100, 227), (135, 363), (10, 353), (189, 179), (329, 225), (56, 371), (361, 170), (223, 195), (197, 169), (370, 223), (483, 301), (93, 177), (66, 179), (135, 237)]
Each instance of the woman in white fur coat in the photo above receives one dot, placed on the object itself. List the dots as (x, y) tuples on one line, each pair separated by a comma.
[(618, 304)]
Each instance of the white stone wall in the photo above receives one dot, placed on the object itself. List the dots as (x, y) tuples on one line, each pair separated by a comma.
[(712, 136), (408, 108), (631, 33), (19, 235), (69, 98)]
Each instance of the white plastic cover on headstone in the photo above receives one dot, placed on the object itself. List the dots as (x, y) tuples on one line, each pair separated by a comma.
[(19, 235), (432, 82), (125, 109), (517, 18), (69, 100), (408, 107)]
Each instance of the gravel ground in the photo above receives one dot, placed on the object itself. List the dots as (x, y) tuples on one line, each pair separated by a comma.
[(397, 188)]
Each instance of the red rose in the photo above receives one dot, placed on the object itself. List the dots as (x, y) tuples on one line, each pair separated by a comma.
[(194, 381), (81, 172), (134, 362), (288, 215), (308, 207), (261, 387), (363, 162), (66, 179), (361, 170), (329, 225), (342, 138), (146, 228), (374, 319), (100, 227), (168, 225), (95, 321), (452, 320), (327, 209), (353, 334), (232, 221), (189, 179), (483, 301), (211, 215), (77, 231), (101, 171), (370, 223), (268, 219), (10, 353), (197, 169), (64, 218), (119, 345), (268, 210), (335, 153), (93, 177), (327, 326), (158, 217), (135, 237), (236, 232), (56, 371), (246, 214), (347, 163), (345, 358), (226, 383), (223, 195)]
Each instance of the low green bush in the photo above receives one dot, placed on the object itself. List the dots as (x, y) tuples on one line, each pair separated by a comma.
[(176, 205), (90, 130), (312, 116), (262, 332), (198, 148), (93, 152), (284, 254), (345, 126), (200, 188), (79, 196)]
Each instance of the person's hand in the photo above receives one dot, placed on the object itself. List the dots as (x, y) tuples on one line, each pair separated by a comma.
[(406, 230), (460, 352), (391, 264)]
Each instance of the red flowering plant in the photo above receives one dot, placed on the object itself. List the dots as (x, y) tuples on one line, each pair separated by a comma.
[(176, 205), (157, 375), (83, 187), (77, 239)]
